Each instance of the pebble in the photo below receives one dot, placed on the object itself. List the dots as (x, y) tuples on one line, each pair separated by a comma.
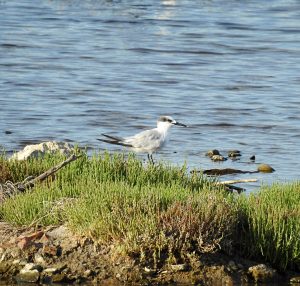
[(87, 273), (262, 273), (213, 152), (234, 153), (232, 265), (265, 168), (31, 276), (38, 258), (218, 158), (59, 277), (50, 270), (295, 279), (178, 267), (30, 273)]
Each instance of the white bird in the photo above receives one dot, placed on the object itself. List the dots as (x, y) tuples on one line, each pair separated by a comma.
[(147, 141)]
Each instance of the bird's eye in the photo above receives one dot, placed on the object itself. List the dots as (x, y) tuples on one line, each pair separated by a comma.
[(169, 120)]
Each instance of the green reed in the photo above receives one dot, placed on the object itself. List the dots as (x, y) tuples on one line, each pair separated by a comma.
[(271, 225)]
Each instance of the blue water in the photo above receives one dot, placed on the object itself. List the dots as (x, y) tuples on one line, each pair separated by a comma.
[(71, 70)]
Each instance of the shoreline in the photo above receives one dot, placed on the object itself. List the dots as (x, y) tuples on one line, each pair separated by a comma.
[(56, 255)]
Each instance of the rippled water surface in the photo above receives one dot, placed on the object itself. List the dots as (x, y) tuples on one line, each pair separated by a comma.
[(71, 70)]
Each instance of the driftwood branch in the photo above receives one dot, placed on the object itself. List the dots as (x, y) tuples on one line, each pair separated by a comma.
[(236, 181), (45, 175), (10, 189), (229, 187)]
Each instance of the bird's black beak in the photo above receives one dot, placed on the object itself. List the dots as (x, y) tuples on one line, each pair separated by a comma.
[(180, 124)]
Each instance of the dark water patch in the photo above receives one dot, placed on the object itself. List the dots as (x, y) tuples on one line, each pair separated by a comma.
[(159, 51), (14, 46), (236, 26), (246, 87)]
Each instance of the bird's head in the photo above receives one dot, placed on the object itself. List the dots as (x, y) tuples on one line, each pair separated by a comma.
[(166, 122)]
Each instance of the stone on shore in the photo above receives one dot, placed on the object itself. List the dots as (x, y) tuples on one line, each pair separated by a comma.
[(265, 168), (43, 148), (262, 273)]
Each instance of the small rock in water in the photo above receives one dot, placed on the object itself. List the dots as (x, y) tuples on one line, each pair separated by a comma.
[(295, 279), (265, 168), (252, 158), (234, 153), (218, 158), (213, 152), (262, 273), (43, 148)]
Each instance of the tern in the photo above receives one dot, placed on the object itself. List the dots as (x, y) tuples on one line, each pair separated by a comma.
[(148, 141)]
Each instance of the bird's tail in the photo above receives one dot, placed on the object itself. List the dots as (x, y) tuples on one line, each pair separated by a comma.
[(114, 140)]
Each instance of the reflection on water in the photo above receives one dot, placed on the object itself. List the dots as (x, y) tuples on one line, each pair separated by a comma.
[(71, 70)]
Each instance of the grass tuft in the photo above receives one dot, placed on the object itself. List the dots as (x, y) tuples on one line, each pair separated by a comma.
[(271, 225)]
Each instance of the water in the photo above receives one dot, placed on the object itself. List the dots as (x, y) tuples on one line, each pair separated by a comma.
[(71, 70)]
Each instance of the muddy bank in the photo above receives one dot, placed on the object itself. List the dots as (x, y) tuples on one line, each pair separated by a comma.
[(55, 255)]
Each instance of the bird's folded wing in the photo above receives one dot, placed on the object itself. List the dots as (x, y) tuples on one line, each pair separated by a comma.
[(143, 139)]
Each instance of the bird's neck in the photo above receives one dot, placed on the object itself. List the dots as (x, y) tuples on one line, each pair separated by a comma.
[(163, 128)]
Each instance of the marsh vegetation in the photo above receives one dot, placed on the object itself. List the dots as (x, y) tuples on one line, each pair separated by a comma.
[(157, 213)]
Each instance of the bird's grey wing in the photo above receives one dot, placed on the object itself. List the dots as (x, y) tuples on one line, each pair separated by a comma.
[(144, 139)]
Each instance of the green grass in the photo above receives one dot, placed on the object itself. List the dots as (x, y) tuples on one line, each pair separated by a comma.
[(271, 225), (157, 213)]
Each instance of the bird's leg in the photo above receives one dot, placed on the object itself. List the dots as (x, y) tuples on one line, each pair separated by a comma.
[(150, 158)]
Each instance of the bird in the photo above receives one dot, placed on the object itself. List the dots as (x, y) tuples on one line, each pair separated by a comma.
[(148, 141)]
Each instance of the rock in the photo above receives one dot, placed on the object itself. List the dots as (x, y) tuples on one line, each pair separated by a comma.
[(30, 267), (213, 152), (178, 267), (218, 158), (31, 276), (59, 277), (43, 148), (50, 250), (30, 273), (87, 273), (4, 266), (265, 168), (262, 273), (50, 270), (252, 158), (26, 241), (232, 266), (295, 279), (60, 233), (234, 153), (39, 259)]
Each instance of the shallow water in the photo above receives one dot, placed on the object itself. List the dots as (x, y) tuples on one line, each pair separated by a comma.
[(71, 70)]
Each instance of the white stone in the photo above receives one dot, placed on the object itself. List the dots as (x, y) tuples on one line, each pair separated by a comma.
[(29, 267), (43, 148), (38, 258), (50, 270)]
